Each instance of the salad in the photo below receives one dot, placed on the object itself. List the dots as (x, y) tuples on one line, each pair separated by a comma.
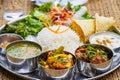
[(44, 16)]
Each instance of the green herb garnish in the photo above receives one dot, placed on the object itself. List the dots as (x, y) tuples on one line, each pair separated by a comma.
[(76, 8), (59, 50), (86, 15), (69, 6)]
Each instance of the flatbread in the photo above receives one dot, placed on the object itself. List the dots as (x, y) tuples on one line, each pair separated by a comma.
[(103, 23), (84, 28)]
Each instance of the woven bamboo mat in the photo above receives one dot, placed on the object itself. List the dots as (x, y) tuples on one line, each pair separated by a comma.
[(102, 7)]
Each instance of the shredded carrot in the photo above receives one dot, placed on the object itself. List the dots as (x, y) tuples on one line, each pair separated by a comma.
[(70, 16), (64, 30), (48, 27), (60, 15), (55, 31), (58, 28)]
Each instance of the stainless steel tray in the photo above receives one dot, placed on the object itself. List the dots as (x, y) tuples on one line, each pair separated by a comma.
[(78, 76), (35, 75)]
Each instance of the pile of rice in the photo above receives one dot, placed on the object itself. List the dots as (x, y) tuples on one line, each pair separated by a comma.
[(50, 40)]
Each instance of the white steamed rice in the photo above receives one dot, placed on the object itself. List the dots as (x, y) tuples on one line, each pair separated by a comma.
[(50, 40)]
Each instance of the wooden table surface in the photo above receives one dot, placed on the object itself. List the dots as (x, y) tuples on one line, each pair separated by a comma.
[(102, 7)]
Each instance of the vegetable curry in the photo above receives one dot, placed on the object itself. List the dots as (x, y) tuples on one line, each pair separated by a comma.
[(92, 54), (57, 59)]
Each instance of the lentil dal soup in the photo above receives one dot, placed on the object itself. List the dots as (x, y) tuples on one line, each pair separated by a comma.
[(23, 50)]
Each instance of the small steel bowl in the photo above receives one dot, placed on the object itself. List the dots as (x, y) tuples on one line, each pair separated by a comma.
[(22, 65), (106, 38), (55, 74), (6, 39), (91, 69)]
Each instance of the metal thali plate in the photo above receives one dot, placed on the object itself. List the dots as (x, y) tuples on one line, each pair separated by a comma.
[(35, 75)]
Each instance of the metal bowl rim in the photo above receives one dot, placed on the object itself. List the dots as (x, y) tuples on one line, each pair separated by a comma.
[(11, 34), (96, 45), (23, 41), (75, 60)]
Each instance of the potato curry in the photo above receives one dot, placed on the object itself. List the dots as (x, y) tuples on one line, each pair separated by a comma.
[(57, 59)]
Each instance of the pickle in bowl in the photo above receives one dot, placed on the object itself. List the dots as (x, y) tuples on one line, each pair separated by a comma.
[(22, 56), (56, 64), (7, 38), (93, 59)]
